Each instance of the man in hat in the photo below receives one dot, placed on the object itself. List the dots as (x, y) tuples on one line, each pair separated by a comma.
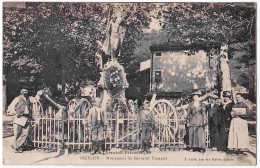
[(225, 120), (23, 114), (214, 113), (146, 125), (97, 122), (23, 92)]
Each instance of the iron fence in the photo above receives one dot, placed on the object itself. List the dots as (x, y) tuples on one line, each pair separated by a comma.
[(53, 130)]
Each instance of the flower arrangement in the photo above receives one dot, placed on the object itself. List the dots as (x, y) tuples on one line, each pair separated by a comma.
[(113, 78)]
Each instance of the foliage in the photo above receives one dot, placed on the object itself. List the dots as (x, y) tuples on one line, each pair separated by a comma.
[(49, 43), (243, 55), (208, 24), (137, 17), (48, 38)]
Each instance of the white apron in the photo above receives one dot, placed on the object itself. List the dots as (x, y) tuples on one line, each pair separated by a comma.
[(238, 134)]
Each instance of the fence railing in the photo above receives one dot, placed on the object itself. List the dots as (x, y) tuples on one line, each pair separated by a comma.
[(52, 130), (46, 131)]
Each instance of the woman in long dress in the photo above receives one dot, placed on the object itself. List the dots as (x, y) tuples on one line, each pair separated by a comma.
[(238, 140), (196, 121)]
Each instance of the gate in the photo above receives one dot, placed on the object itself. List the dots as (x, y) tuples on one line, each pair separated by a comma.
[(46, 130)]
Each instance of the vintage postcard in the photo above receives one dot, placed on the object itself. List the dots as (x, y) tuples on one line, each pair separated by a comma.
[(91, 83)]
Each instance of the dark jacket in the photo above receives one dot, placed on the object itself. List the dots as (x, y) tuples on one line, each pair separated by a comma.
[(226, 114), (214, 114)]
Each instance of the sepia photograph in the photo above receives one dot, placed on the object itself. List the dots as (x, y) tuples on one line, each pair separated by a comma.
[(129, 83)]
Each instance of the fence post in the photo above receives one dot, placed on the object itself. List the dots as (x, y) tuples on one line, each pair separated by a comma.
[(117, 128), (62, 129)]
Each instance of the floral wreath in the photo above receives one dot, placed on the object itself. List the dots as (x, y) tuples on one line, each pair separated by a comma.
[(113, 77)]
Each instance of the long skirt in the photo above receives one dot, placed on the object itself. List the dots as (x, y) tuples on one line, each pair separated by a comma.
[(238, 134), (197, 137)]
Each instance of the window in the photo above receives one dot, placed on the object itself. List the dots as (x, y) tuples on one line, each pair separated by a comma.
[(158, 54), (158, 76)]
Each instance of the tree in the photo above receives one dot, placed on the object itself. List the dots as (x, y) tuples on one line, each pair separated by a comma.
[(209, 22), (53, 43)]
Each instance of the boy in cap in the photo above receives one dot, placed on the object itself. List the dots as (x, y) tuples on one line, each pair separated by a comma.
[(146, 125), (97, 120)]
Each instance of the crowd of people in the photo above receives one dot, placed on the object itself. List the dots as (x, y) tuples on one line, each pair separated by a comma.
[(228, 129)]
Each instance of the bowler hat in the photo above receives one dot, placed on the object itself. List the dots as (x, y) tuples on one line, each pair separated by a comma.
[(226, 94)]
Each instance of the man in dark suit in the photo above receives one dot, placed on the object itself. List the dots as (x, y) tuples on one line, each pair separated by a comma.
[(225, 120), (214, 113)]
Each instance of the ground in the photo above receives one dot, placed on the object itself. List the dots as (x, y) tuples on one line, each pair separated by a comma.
[(127, 157)]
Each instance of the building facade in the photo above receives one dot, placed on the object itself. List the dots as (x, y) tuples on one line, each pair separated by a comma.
[(175, 68)]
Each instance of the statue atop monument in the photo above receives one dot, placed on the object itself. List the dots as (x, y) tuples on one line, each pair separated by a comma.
[(114, 36)]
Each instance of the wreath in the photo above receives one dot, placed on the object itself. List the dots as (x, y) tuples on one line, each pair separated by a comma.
[(114, 77)]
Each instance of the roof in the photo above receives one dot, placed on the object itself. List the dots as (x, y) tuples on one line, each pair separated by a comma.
[(179, 46), (145, 65)]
